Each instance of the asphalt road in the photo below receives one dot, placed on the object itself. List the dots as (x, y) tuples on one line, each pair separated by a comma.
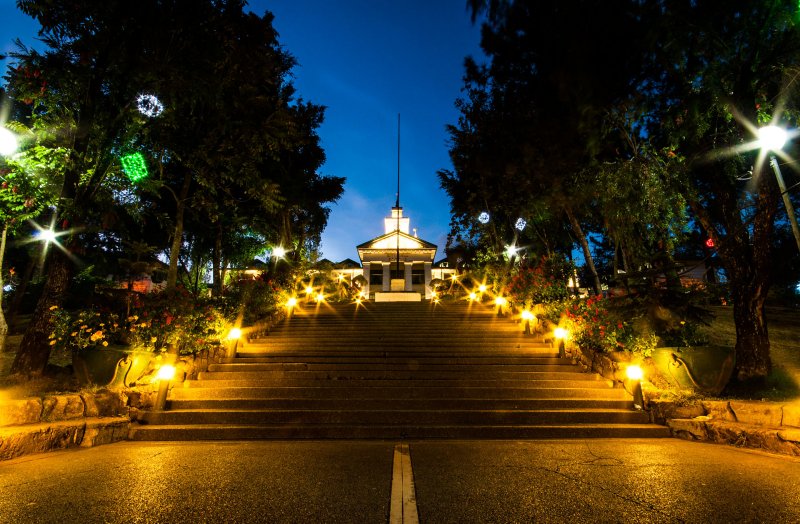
[(572, 481)]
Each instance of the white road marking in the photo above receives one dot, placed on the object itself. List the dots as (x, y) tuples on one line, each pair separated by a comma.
[(403, 509)]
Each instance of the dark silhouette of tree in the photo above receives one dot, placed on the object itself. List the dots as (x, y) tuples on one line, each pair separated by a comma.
[(717, 71), (215, 154)]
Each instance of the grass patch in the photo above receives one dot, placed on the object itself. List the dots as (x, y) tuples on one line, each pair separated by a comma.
[(784, 335)]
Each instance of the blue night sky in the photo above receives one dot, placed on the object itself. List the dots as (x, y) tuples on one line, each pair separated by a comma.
[(367, 61)]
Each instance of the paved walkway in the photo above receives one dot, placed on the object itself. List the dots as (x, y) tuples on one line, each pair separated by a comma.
[(660, 480)]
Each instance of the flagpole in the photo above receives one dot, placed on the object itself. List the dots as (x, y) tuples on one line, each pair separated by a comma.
[(397, 203)]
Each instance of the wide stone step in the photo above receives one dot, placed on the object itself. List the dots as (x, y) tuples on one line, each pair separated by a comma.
[(343, 348), (380, 382), (408, 404), (334, 338), (399, 375), (395, 417), (377, 358), (342, 391), (323, 431), (349, 365), (321, 335)]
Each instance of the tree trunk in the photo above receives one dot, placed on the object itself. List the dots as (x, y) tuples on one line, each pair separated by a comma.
[(752, 337), (746, 257), (216, 288), (587, 254), (19, 294), (177, 234), (34, 350), (673, 279), (3, 323)]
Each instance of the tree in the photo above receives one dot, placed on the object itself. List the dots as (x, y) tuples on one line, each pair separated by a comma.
[(717, 71), (533, 118), (229, 121)]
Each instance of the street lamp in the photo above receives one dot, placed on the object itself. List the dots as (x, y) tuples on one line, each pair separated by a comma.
[(773, 138), (8, 142)]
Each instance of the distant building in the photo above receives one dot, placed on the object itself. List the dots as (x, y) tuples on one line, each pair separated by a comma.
[(397, 265)]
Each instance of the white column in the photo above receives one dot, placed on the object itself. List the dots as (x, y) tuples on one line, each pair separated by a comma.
[(387, 277), (407, 266), (365, 274), (427, 280)]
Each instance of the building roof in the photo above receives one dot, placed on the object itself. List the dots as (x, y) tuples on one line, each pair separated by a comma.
[(347, 263), (389, 241), (385, 246)]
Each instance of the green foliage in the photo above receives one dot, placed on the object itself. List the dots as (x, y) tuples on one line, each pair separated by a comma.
[(254, 300), (600, 324), (177, 317), (156, 320), (544, 282), (86, 329)]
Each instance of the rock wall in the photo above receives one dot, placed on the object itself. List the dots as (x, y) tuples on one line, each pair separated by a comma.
[(53, 422), (768, 426)]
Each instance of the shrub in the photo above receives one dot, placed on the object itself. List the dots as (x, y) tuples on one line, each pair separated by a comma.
[(156, 320), (542, 283), (603, 324)]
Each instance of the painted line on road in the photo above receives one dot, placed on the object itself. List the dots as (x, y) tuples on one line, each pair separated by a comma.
[(403, 508)]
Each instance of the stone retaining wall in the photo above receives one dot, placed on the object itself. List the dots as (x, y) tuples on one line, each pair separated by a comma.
[(53, 422), (769, 426)]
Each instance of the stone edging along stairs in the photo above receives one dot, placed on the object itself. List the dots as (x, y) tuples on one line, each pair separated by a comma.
[(395, 371)]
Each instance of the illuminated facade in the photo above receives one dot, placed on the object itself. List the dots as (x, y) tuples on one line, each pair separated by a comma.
[(397, 265)]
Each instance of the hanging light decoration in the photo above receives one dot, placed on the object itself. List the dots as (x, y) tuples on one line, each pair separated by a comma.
[(520, 224), (134, 166), (483, 218), (149, 105)]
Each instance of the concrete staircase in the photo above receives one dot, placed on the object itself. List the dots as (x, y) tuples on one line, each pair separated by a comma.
[(394, 371)]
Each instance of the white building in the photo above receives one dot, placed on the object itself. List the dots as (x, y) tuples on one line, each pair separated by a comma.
[(397, 264)]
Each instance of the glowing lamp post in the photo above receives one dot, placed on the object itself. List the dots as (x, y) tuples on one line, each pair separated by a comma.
[(501, 303), (773, 138), (527, 316), (233, 337), (46, 236), (164, 376), (635, 374), (561, 335)]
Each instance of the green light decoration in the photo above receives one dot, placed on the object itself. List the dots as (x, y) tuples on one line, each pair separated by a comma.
[(134, 166)]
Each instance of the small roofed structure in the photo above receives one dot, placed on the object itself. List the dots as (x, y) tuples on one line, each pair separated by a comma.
[(397, 265)]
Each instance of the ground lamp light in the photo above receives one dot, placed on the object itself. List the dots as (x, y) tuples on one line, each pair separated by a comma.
[(527, 316), (473, 297), (235, 334), (8, 142), (291, 302), (634, 374), (500, 302), (164, 375), (319, 298), (561, 335), (773, 138)]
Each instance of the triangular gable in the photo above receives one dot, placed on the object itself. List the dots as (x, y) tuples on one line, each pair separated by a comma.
[(389, 241)]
